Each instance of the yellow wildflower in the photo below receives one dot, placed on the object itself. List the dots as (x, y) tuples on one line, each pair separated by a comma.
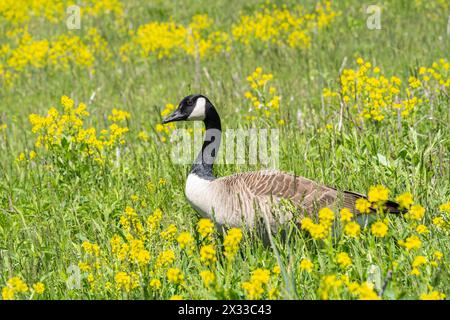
[(7, 293), (416, 212), (379, 229), (445, 207), (207, 277), (421, 228), (205, 228), (343, 260), (175, 276), (169, 233), (352, 229), (362, 205), (185, 240), (434, 295), (405, 200), (208, 254), (306, 265), (231, 242), (155, 284), (439, 222), (412, 242), (378, 194), (346, 215)]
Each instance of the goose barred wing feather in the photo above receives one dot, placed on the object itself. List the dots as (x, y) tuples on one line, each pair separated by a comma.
[(243, 195), (272, 186)]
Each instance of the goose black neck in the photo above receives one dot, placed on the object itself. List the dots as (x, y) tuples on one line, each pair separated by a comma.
[(203, 164)]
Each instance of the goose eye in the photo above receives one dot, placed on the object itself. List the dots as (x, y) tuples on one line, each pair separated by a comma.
[(190, 102)]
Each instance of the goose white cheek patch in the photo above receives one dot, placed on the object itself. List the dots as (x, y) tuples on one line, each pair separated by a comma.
[(199, 110)]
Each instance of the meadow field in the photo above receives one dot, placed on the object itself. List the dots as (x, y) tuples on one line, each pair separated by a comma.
[(92, 205)]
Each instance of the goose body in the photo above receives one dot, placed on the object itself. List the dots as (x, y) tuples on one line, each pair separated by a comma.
[(244, 199)]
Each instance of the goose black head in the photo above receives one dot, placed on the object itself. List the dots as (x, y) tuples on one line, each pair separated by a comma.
[(192, 107)]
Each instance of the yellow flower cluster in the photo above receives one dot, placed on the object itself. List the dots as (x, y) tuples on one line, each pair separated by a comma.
[(208, 254), (379, 229), (331, 286), (167, 39), (373, 96), (322, 229), (207, 277), (205, 228), (306, 265), (283, 27), (175, 276), (255, 288), (231, 242), (412, 242), (351, 228), (434, 295), (263, 98), (19, 12), (185, 240), (65, 130), (343, 260), (61, 53), (165, 130), (127, 281), (14, 285)]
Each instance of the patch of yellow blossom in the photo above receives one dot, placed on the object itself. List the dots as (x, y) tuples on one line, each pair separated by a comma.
[(263, 98), (62, 53), (64, 130), (164, 130), (169, 233), (405, 200), (379, 229), (207, 277), (415, 212), (330, 287), (165, 258), (306, 265), (445, 207), (14, 285), (373, 96), (378, 195), (255, 288), (418, 261), (208, 254), (283, 27), (343, 260), (39, 288), (362, 205), (205, 228), (231, 242), (433, 295), (322, 229), (185, 240), (175, 276), (412, 242), (19, 12), (351, 228), (127, 281), (168, 39)]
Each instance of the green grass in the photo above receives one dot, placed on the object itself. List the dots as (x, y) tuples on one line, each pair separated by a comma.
[(47, 211)]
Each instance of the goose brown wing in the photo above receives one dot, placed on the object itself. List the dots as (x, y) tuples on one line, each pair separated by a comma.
[(280, 185)]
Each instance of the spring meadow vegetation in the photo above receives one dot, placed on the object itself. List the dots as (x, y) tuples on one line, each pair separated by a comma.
[(93, 207)]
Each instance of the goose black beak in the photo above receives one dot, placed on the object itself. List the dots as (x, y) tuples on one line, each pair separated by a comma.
[(175, 116)]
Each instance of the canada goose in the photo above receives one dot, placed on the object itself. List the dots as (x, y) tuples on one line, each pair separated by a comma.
[(235, 200)]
